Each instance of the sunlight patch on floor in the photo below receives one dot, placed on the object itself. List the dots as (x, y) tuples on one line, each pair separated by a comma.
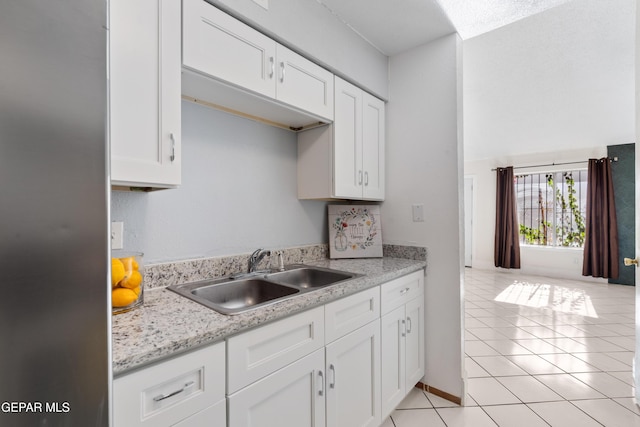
[(558, 298)]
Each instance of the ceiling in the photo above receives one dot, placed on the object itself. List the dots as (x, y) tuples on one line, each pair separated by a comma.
[(394, 26), (539, 75)]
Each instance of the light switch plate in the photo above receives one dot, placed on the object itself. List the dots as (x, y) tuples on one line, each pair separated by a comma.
[(418, 213), (117, 235)]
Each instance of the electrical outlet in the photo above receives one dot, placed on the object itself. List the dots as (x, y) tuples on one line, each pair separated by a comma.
[(117, 235), (418, 213)]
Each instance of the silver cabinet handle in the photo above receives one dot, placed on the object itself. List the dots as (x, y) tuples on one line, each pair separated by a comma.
[(366, 178), (282, 75), (321, 391), (404, 291), (273, 66), (333, 382), (404, 334), (360, 175), (173, 147), (162, 397), (408, 324)]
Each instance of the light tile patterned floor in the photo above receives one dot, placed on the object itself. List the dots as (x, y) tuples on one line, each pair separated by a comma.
[(539, 352)]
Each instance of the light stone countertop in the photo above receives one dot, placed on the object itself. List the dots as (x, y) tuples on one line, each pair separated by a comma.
[(168, 324)]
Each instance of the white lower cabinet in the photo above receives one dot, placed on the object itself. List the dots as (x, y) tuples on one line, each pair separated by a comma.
[(337, 365), (210, 417), (414, 353), (402, 337), (353, 378), (187, 390), (294, 396)]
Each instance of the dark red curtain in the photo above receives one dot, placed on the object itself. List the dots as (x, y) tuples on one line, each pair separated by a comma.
[(601, 234), (507, 245)]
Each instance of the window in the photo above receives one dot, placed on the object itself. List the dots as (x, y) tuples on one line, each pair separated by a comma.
[(552, 208)]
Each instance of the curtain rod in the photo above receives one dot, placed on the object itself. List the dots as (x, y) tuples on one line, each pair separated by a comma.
[(615, 159)]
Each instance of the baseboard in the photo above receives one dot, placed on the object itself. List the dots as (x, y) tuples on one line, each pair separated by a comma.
[(443, 394)]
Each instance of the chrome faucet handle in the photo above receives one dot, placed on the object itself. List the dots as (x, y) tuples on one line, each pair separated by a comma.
[(280, 255)]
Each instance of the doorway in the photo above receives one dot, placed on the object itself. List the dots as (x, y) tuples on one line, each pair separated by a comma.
[(468, 221)]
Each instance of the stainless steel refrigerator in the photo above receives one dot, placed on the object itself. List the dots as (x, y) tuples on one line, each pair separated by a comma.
[(54, 315)]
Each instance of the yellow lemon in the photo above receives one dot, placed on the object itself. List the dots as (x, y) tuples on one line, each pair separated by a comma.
[(137, 290), (130, 263), (117, 271), (132, 279), (121, 297)]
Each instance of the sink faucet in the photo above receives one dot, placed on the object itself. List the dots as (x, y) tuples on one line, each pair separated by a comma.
[(256, 257)]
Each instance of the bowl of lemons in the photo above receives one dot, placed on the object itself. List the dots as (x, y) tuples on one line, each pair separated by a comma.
[(126, 281)]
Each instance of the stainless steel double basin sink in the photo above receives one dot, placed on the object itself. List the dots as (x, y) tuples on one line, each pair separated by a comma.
[(243, 292)]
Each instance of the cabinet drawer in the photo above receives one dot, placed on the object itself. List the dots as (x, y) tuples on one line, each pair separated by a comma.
[(350, 313), (257, 353), (166, 393), (400, 291)]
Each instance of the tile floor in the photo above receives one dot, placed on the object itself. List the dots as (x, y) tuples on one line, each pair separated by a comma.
[(539, 352)]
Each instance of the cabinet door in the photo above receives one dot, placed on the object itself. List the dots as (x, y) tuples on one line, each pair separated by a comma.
[(214, 415), (415, 342), (144, 91), (220, 46), (291, 397), (353, 378), (303, 84), (393, 331), (347, 152), (373, 138)]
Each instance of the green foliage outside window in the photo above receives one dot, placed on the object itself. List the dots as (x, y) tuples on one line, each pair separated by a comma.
[(570, 223)]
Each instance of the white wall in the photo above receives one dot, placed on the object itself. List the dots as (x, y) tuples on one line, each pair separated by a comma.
[(558, 80), (238, 193), (636, 360), (311, 29), (423, 155), (556, 262)]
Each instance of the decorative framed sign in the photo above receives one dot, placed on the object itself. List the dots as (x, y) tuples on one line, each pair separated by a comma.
[(354, 231)]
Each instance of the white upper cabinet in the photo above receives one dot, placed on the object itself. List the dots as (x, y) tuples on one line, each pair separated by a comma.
[(359, 143), (144, 93), (303, 84), (346, 160), (373, 138), (232, 66), (223, 47)]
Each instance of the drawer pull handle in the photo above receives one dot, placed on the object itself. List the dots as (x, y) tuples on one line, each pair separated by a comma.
[(162, 397), (333, 383), (173, 147), (321, 375), (283, 71), (404, 328), (271, 61), (408, 325), (404, 291)]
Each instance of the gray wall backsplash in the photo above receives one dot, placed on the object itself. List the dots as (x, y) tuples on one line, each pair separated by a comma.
[(238, 193), (172, 273)]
